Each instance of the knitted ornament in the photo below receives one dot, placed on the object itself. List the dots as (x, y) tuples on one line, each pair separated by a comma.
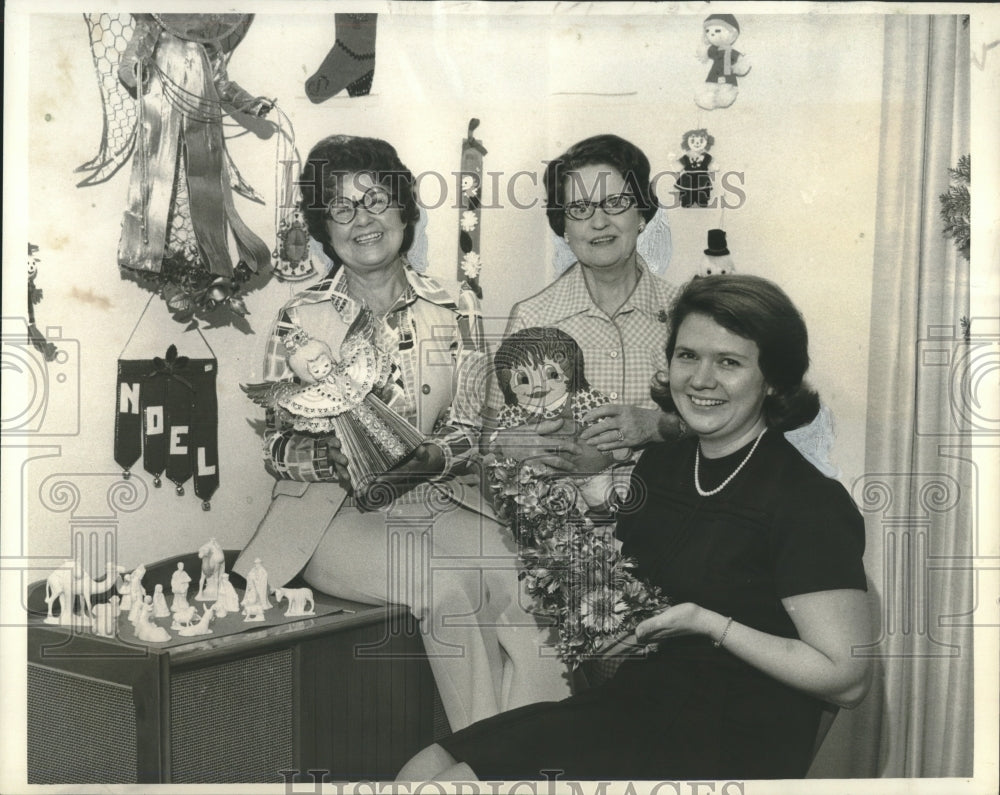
[(720, 32), (351, 62)]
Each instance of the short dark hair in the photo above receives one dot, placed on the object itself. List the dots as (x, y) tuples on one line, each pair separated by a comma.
[(531, 346), (600, 150), (331, 160), (758, 310)]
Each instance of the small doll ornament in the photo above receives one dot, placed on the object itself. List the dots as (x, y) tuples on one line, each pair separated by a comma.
[(694, 185), (720, 90), (343, 396), (717, 259)]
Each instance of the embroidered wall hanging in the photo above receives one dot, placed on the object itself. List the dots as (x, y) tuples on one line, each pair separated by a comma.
[(166, 96), (470, 264), (167, 414)]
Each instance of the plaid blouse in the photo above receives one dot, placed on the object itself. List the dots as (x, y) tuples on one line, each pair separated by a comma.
[(620, 353), (295, 456)]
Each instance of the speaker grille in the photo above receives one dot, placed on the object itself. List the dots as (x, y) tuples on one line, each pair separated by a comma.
[(80, 731), (232, 723)]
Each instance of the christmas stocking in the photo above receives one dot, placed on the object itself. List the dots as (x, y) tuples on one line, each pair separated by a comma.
[(351, 62)]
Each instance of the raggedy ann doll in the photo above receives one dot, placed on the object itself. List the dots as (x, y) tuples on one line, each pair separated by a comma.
[(694, 184), (540, 371), (347, 396)]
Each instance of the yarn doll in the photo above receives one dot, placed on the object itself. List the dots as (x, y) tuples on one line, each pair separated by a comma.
[(720, 90), (694, 185), (540, 371)]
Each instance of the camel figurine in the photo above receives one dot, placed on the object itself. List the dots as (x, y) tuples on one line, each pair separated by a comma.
[(145, 629), (65, 584), (213, 563)]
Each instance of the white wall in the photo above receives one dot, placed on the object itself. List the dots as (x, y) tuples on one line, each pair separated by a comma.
[(804, 130)]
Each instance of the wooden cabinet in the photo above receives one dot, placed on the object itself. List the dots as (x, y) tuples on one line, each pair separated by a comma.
[(350, 693)]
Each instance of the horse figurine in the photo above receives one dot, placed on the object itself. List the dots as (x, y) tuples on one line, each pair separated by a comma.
[(300, 601), (213, 563), (67, 583)]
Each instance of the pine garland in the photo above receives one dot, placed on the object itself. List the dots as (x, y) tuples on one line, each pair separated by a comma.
[(955, 205)]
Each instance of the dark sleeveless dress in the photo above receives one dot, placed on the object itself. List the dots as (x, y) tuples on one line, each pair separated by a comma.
[(690, 710)]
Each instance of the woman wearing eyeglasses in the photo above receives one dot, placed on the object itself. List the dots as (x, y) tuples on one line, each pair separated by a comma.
[(453, 566), (600, 198)]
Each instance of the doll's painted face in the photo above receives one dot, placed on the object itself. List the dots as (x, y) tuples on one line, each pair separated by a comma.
[(538, 386), (320, 366), (719, 34), (697, 143)]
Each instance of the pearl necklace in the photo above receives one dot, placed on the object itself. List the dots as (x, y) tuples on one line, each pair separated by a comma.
[(721, 486)]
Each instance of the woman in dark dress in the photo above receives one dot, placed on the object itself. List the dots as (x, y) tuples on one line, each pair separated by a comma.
[(760, 554)]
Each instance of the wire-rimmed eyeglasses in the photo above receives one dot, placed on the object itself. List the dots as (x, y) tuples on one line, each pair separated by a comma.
[(375, 200), (612, 205)]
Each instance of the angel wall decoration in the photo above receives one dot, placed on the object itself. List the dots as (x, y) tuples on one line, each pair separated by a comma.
[(348, 396), (167, 96)]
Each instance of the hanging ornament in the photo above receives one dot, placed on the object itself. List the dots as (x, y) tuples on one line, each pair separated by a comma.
[(293, 259), (717, 259), (167, 414), (470, 264), (719, 33), (37, 339), (350, 63), (166, 96), (694, 183)]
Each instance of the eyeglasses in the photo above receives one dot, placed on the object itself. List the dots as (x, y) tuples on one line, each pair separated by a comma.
[(612, 205), (342, 210)]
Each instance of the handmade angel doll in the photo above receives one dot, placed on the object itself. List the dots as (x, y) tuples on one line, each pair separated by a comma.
[(167, 96), (341, 395), (540, 372)]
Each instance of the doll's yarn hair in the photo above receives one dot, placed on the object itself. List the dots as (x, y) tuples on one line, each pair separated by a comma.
[(529, 348), (760, 311), (709, 139), (331, 160), (600, 150)]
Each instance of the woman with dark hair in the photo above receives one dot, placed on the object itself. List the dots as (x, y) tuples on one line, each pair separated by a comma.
[(359, 203), (760, 554), (599, 198)]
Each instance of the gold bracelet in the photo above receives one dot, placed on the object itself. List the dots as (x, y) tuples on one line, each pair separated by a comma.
[(722, 637)]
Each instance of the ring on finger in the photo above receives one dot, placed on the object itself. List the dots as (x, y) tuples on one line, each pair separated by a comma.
[(621, 436)]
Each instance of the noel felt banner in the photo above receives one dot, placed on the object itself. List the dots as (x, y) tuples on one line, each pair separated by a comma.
[(167, 414)]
